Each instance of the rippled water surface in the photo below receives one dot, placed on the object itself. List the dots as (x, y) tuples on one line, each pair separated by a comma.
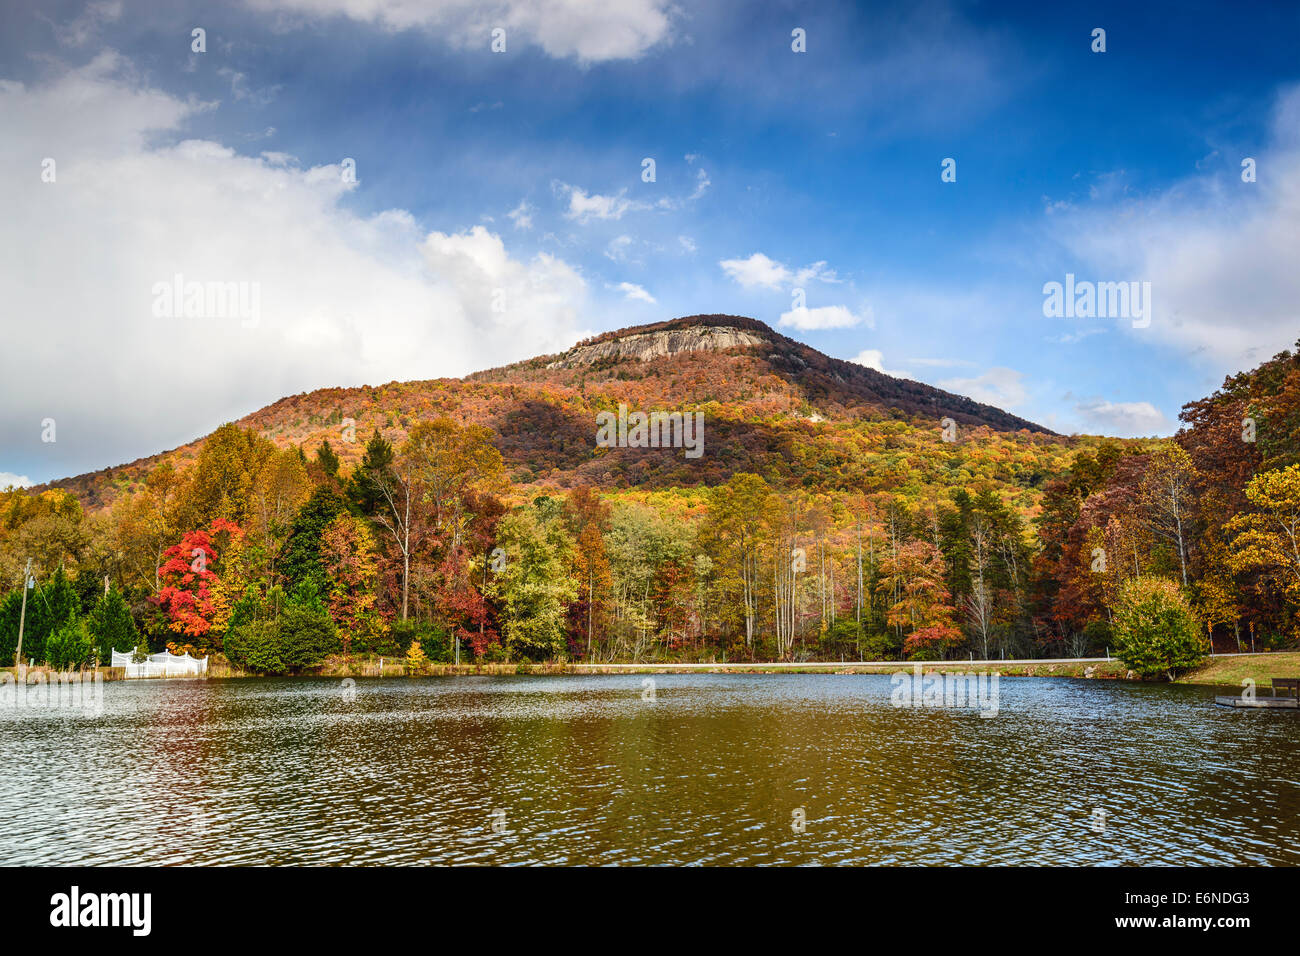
[(587, 772)]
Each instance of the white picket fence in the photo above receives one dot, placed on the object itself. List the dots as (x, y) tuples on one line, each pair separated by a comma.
[(161, 665)]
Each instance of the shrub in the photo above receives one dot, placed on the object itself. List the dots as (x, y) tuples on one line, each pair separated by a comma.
[(307, 636), (434, 641), (70, 646), (1156, 632), (255, 646)]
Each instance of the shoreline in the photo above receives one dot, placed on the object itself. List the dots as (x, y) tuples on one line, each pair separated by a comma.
[(1224, 670)]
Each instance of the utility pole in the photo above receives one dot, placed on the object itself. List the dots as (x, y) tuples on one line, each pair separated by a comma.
[(22, 620)]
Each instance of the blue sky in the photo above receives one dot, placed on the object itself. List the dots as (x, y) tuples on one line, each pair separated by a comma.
[(519, 175)]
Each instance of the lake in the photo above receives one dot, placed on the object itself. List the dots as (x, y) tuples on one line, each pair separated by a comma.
[(716, 769)]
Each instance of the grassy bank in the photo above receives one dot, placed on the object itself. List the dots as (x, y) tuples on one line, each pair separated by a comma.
[(1218, 671), (1233, 670)]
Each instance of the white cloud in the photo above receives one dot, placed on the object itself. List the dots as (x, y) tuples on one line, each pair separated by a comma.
[(702, 183), (521, 215), (1000, 387), (1220, 253), (825, 317), (633, 291), (872, 358), (761, 270), (817, 271), (757, 270), (687, 243), (617, 248), (344, 300), (584, 207), (589, 31), (1123, 419), (9, 480)]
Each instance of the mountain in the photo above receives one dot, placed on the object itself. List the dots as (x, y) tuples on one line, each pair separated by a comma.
[(771, 405)]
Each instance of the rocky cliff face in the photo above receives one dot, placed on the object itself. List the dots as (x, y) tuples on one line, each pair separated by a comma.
[(644, 346)]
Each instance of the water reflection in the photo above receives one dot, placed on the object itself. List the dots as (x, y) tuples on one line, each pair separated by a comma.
[(582, 770)]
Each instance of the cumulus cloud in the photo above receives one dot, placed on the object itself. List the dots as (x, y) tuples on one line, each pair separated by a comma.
[(825, 317), (588, 31), (9, 480), (1220, 253), (1123, 419), (1000, 387), (757, 270), (633, 291), (344, 299)]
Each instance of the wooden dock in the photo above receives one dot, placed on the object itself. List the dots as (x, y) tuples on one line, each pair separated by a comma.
[(1278, 703)]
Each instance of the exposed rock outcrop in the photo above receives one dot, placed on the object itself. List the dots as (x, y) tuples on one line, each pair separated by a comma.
[(644, 346)]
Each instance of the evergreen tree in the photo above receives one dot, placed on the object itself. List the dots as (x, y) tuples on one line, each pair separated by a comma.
[(365, 488), (10, 611), (69, 647), (111, 626), (301, 561), (49, 608), (328, 461)]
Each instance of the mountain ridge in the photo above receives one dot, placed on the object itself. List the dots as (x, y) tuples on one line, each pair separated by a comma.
[(761, 386)]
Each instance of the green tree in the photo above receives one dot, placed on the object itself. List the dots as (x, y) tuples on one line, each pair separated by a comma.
[(327, 459), (368, 480), (535, 589), (307, 636), (301, 561), (255, 646), (49, 608), (69, 647), (111, 626), (1156, 631)]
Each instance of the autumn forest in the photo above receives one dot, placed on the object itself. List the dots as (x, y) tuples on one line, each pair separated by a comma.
[(834, 514)]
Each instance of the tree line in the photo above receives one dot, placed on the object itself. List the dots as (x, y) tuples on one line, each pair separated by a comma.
[(279, 558)]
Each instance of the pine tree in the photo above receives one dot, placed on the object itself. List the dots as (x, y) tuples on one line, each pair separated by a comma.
[(111, 626), (301, 561)]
